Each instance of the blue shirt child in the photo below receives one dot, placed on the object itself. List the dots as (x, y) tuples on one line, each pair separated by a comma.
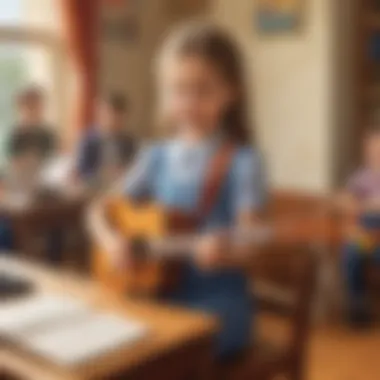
[(173, 173)]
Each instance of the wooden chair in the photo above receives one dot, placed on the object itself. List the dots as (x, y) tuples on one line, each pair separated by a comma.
[(285, 279), (34, 226), (373, 285)]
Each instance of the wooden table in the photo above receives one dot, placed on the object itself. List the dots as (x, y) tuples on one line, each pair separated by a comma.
[(179, 344)]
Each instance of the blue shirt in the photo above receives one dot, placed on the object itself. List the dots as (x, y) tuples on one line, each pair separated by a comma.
[(174, 173), (96, 151)]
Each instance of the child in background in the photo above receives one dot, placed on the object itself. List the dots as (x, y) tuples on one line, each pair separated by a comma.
[(362, 206), (202, 98), (31, 142), (107, 148), (32, 139)]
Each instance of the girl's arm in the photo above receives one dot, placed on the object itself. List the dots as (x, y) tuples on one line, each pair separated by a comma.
[(351, 206), (348, 204), (137, 182), (354, 200), (371, 205), (102, 232), (218, 250), (249, 193)]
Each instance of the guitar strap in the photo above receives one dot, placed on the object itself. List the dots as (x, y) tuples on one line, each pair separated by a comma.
[(215, 176)]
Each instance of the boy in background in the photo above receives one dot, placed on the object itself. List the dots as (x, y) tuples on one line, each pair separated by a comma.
[(32, 140), (361, 204), (108, 147)]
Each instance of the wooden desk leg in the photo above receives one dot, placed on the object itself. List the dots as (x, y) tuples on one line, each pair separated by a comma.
[(206, 363), (193, 362)]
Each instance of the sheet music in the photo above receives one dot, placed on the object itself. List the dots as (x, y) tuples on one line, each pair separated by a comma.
[(85, 338), (38, 310), (65, 331)]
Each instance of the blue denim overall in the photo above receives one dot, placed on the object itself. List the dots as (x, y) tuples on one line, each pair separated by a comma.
[(173, 173)]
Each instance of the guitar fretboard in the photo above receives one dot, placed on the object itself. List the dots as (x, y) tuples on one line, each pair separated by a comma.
[(182, 245)]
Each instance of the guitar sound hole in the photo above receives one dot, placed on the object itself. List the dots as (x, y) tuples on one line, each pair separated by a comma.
[(140, 249)]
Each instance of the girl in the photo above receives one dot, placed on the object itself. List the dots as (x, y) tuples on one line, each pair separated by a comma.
[(202, 96), (31, 143), (361, 205)]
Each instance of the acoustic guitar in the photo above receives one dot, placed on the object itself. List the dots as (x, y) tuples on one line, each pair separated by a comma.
[(159, 240), (151, 232), (150, 229)]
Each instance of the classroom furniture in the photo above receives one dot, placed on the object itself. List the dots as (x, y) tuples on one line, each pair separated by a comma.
[(179, 345), (291, 272), (373, 278), (49, 216), (315, 221), (325, 225)]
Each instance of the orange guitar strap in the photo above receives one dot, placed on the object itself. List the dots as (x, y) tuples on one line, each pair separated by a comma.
[(215, 176)]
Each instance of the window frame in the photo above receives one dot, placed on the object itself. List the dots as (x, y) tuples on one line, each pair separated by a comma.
[(29, 36)]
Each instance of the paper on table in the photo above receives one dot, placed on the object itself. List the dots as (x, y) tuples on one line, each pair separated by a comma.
[(37, 311), (65, 331), (84, 338)]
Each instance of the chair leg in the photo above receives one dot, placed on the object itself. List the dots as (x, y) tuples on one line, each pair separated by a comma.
[(297, 372)]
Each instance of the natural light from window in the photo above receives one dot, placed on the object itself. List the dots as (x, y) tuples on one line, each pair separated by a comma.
[(29, 54), (11, 12)]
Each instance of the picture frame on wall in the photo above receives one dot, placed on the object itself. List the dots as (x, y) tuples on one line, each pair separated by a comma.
[(122, 20), (273, 17)]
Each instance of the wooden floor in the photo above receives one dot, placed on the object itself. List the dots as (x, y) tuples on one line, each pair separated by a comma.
[(335, 353), (342, 354)]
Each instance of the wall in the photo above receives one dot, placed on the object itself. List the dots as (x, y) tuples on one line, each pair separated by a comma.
[(46, 56), (291, 79), (128, 66)]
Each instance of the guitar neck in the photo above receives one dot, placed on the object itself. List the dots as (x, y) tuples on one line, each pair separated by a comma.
[(178, 246), (184, 245)]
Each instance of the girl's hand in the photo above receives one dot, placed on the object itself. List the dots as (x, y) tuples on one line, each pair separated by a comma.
[(119, 252), (372, 204), (211, 251)]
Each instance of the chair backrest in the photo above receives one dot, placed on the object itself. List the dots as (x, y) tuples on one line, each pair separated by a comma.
[(290, 272), (36, 232)]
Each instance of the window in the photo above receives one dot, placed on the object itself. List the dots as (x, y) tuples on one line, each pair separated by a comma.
[(11, 12), (30, 52)]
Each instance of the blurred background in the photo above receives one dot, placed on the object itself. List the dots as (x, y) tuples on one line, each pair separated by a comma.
[(303, 74), (313, 68)]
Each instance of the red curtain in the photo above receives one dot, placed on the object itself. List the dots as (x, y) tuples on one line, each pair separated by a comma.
[(81, 32)]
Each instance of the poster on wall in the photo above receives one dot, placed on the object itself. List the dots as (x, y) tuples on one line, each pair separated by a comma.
[(279, 16), (120, 21)]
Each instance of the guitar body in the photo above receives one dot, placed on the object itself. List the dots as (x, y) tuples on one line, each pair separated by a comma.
[(140, 223)]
